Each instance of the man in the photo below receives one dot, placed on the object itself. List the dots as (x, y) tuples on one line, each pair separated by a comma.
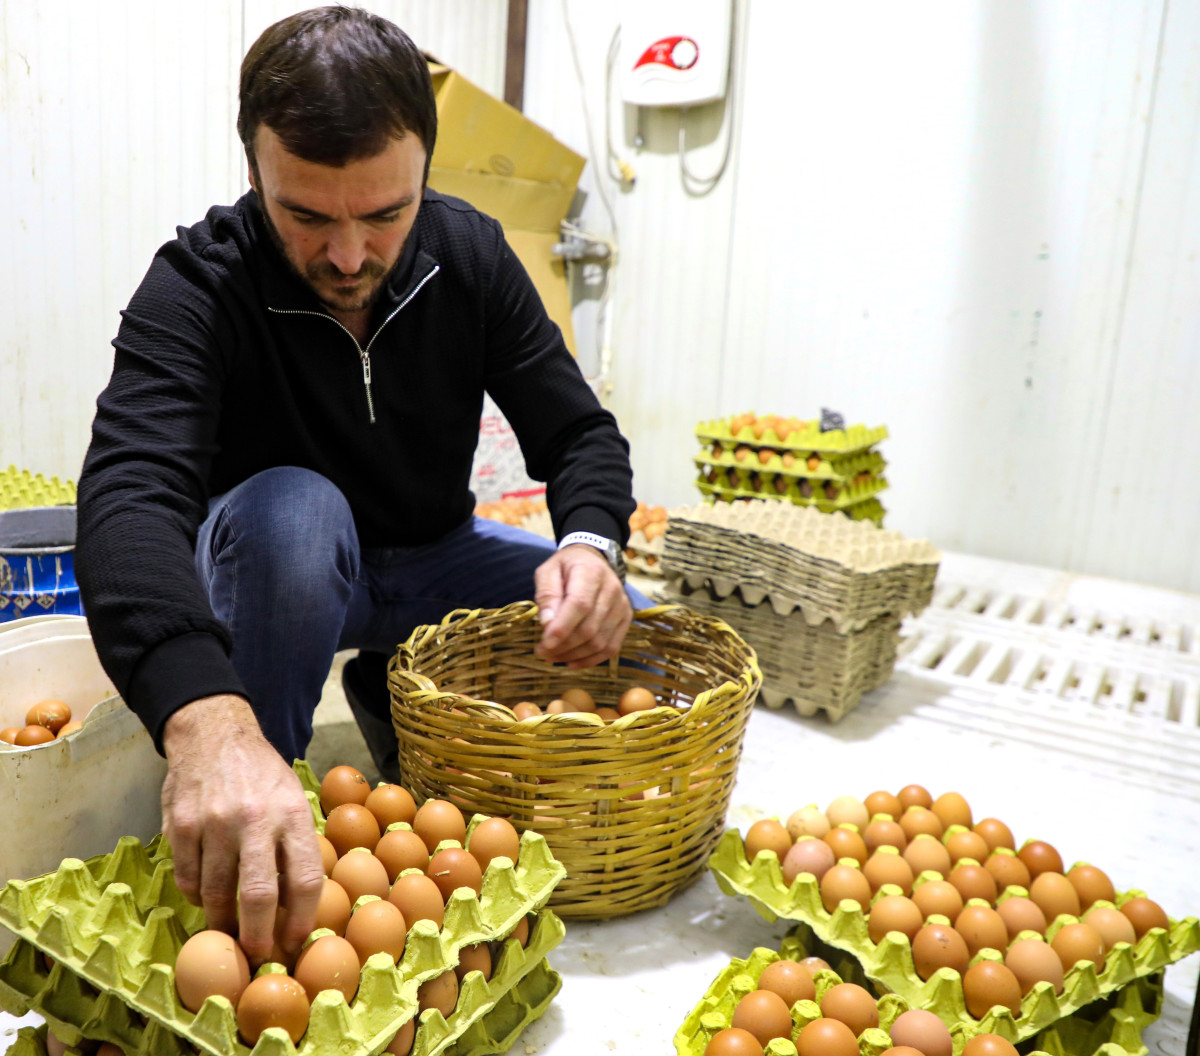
[(279, 465)]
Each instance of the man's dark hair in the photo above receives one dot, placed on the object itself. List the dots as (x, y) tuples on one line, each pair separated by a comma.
[(335, 84)]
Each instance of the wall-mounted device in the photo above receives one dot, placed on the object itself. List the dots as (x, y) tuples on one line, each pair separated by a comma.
[(674, 52)]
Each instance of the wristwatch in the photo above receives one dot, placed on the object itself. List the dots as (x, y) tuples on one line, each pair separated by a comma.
[(608, 547)]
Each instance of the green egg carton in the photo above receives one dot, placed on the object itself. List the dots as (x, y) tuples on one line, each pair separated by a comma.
[(848, 500), (838, 469), (890, 963), (836, 441), (1106, 1028), (20, 489), (519, 1007)]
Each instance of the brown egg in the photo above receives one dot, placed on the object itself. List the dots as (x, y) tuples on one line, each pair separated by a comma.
[(808, 855), (67, 730), (982, 928), (55, 1046), (846, 810), (1008, 870), (1054, 895), (636, 698), (902, 1050), (107, 1048), (453, 868), (887, 867), (494, 838), (852, 1005), (579, 699), (391, 804), (9, 734), (938, 946), (1078, 942), (333, 908), (438, 820), (989, 1045), (847, 843), (915, 796), (1033, 961), (351, 825), (790, 980), (990, 983), (808, 821), (1091, 885), (608, 714), (995, 833), (938, 897), (842, 883), (1040, 857), (733, 1041), (377, 927), (1145, 915), (401, 1044), (883, 803), (440, 992), (764, 1014), (418, 898), (1021, 914), (343, 784), (894, 913), (973, 881), (360, 873), (963, 843), (476, 958), (329, 855), (1112, 924), (923, 1031), (557, 707), (272, 1000), (32, 735), (927, 855), (826, 1037), (209, 963), (952, 809), (767, 835), (526, 710), (520, 932), (401, 849), (917, 821), (53, 714), (328, 963), (883, 832)]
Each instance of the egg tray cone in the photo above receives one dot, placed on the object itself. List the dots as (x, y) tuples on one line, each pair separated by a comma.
[(837, 469), (20, 489), (846, 441), (829, 567), (1111, 1028), (116, 923), (890, 963), (75, 1009)]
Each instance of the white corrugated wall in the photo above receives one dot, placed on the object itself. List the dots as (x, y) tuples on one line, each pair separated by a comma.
[(974, 222)]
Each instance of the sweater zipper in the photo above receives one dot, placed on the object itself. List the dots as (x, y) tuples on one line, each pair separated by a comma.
[(364, 354)]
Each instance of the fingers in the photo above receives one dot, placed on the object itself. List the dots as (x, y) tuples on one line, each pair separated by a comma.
[(302, 880), (219, 872), (183, 835), (548, 586), (257, 890), (592, 620)]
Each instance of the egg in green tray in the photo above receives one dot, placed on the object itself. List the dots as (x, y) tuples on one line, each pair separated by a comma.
[(808, 437), (1109, 1027), (789, 464)]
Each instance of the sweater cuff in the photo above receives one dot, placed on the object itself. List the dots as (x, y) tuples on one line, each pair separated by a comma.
[(177, 672), (597, 520)]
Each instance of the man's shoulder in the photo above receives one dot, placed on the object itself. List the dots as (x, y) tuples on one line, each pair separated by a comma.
[(226, 236), (452, 226)]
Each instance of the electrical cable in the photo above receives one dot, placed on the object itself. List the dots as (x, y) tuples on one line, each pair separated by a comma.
[(624, 173), (687, 178)]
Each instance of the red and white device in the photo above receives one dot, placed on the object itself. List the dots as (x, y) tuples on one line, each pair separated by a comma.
[(674, 52)]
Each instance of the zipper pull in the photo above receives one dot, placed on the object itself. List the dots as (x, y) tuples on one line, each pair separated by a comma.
[(366, 362)]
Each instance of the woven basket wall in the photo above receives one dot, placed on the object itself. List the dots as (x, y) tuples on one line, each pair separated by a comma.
[(632, 808)]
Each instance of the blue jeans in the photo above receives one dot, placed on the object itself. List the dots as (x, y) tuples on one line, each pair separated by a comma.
[(280, 559)]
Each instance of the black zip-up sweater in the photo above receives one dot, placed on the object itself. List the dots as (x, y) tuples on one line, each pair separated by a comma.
[(226, 364)]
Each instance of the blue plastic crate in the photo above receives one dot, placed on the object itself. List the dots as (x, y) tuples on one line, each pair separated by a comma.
[(37, 562)]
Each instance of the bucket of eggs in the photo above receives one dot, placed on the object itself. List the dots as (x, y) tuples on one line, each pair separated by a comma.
[(415, 946), (625, 768), (949, 913)]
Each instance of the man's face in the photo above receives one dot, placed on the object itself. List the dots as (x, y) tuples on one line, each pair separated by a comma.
[(342, 229)]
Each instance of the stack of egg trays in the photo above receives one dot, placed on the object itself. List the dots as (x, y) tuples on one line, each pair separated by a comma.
[(20, 489), (112, 928), (839, 470), (890, 963), (812, 668), (846, 441), (852, 499), (828, 567), (1107, 1028)]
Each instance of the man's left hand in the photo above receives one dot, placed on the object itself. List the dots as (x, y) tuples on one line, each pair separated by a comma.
[(583, 607)]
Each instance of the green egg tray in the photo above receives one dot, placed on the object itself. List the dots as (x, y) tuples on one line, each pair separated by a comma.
[(837, 469), (836, 441), (1109, 1028), (890, 963), (20, 489), (117, 921), (857, 502)]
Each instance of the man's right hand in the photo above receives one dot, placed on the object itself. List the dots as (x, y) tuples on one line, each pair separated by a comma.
[(239, 826)]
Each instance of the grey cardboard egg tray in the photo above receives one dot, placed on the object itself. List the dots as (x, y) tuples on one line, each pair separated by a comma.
[(113, 926), (890, 962), (826, 565), (1108, 1028), (812, 668)]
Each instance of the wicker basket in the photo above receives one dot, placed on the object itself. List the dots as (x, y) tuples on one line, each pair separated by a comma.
[(632, 808)]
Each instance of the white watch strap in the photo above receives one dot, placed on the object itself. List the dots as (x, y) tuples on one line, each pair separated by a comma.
[(590, 538)]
